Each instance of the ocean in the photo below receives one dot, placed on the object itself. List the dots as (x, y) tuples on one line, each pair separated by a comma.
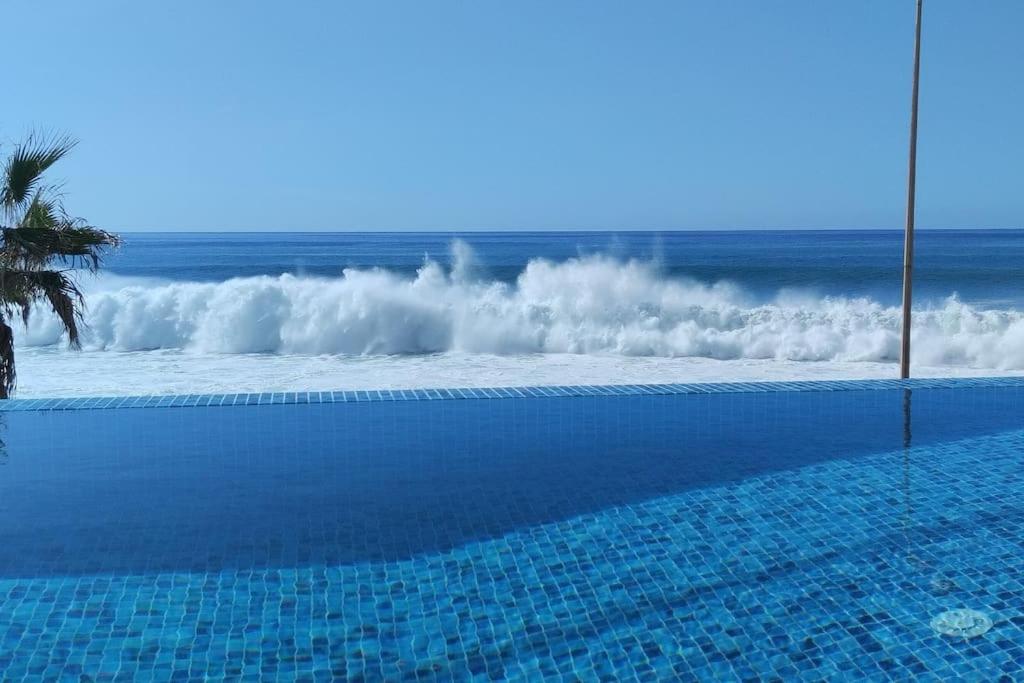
[(242, 312)]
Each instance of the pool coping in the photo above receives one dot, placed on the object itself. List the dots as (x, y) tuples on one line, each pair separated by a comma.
[(442, 393)]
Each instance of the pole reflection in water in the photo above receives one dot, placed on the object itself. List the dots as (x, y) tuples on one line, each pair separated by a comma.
[(907, 437)]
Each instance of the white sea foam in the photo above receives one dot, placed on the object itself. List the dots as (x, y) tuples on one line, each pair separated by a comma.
[(595, 307)]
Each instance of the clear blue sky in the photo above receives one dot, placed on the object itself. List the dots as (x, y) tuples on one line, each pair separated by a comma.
[(199, 115)]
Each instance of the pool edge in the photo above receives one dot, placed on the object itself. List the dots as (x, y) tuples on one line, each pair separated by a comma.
[(444, 393)]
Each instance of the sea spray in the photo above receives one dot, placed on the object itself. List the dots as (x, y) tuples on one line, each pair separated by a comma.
[(584, 305)]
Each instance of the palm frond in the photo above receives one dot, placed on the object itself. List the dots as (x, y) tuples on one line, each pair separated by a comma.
[(36, 232), (19, 289), (45, 232), (23, 170), (42, 212)]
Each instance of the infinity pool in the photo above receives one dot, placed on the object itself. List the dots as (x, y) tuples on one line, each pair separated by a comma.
[(727, 532)]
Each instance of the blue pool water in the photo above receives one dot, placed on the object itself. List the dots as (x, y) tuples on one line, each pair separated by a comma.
[(728, 532)]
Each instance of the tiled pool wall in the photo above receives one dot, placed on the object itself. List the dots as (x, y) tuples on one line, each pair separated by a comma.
[(442, 393)]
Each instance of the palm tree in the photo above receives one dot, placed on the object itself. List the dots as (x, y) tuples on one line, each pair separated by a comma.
[(36, 234)]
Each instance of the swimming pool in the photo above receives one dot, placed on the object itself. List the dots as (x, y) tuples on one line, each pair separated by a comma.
[(800, 530)]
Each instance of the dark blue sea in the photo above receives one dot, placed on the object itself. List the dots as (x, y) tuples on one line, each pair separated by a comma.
[(982, 266)]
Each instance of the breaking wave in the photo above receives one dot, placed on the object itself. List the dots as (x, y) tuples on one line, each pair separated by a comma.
[(590, 305)]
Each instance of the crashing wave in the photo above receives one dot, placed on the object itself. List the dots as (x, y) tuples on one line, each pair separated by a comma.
[(586, 305)]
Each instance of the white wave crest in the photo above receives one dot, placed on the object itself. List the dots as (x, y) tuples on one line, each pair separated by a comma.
[(591, 305)]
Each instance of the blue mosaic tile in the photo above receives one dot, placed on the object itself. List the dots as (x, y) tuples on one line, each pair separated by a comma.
[(720, 535)]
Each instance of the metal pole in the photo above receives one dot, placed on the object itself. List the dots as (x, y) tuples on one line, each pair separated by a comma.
[(908, 238)]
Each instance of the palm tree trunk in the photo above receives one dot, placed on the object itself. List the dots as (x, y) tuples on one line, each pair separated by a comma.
[(6, 359)]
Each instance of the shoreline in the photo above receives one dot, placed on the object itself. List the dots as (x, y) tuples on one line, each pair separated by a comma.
[(51, 372)]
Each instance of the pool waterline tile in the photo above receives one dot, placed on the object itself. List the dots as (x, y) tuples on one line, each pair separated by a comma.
[(452, 393)]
